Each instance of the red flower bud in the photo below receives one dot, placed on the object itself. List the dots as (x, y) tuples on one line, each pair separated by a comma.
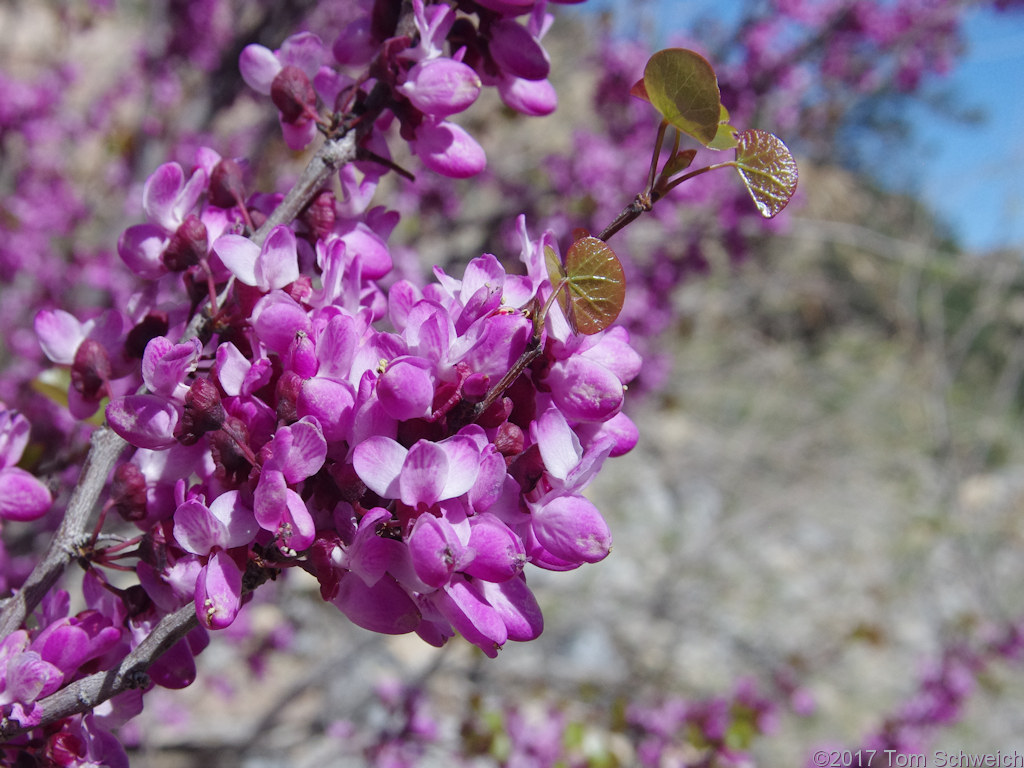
[(509, 441), (128, 492), (152, 325), (227, 188), (292, 94), (319, 215), (91, 370), (203, 412), (188, 245), (288, 388), (232, 465)]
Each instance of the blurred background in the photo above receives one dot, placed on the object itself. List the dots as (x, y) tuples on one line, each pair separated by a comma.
[(818, 539)]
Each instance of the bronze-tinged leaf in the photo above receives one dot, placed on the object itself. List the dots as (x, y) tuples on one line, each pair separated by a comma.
[(682, 86), (596, 286), (768, 170)]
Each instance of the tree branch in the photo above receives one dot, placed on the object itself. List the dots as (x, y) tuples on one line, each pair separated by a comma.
[(105, 448), (333, 154), (89, 692)]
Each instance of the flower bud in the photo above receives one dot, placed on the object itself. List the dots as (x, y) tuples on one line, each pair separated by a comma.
[(288, 388), (22, 495), (91, 370), (231, 465), (188, 245), (227, 188), (510, 440), (292, 93), (302, 356), (405, 389), (441, 87), (571, 528), (203, 412), (535, 98), (447, 149), (499, 553), (128, 492), (320, 215)]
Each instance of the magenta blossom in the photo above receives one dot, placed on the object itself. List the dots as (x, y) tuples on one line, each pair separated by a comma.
[(22, 495)]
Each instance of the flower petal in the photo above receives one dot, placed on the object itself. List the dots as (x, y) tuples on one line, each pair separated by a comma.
[(424, 473), (196, 530), (145, 421), (259, 66), (239, 255), (22, 496), (278, 263), (160, 195), (59, 334), (515, 604), (378, 461), (238, 521), (559, 447), (384, 607), (218, 591)]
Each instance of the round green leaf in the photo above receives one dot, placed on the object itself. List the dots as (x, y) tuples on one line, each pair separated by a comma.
[(768, 170), (682, 86), (595, 286)]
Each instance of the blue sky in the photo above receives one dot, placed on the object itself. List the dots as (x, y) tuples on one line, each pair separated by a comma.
[(972, 176)]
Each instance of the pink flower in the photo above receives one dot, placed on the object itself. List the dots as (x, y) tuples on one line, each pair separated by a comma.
[(448, 149), (275, 265), (22, 496)]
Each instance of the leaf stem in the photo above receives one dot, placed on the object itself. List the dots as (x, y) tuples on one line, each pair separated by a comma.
[(645, 201), (686, 176)]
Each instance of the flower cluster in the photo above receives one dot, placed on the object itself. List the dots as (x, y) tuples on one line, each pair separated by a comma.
[(426, 71), (63, 648), (290, 403), (332, 419)]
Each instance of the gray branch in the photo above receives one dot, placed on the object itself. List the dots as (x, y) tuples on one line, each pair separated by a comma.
[(89, 692), (105, 448), (329, 158)]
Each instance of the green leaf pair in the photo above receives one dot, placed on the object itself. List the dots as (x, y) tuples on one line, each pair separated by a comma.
[(683, 87)]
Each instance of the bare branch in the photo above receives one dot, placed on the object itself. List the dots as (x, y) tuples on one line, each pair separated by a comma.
[(106, 446), (89, 692), (329, 158)]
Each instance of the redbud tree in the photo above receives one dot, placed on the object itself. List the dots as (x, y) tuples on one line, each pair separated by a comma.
[(269, 395)]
